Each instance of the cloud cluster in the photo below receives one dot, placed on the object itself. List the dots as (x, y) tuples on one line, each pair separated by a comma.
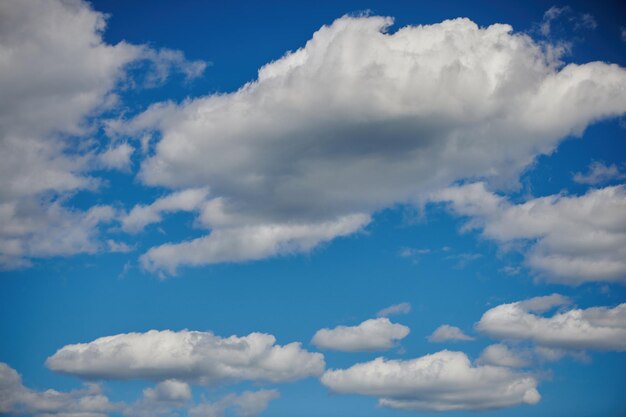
[(595, 328), (56, 73), (572, 239), (371, 335), (327, 133), (442, 381), (199, 357), (16, 399)]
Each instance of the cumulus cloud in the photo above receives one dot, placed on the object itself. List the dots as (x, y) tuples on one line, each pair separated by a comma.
[(247, 404), (402, 308), (446, 332), (371, 335), (442, 381), (56, 73), (595, 328), (187, 356), (599, 173), (571, 239), (501, 355), (16, 399), (142, 215), (325, 132)]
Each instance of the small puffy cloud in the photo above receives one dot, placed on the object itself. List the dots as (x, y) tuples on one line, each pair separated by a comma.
[(142, 215), (402, 308), (371, 335), (324, 134), (446, 333), (117, 157), (599, 173), (169, 390), (16, 399), (442, 381), (571, 239), (247, 404), (187, 356), (595, 328), (501, 355)]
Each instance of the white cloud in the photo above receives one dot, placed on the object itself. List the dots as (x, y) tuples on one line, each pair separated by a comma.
[(16, 399), (442, 381), (501, 355), (371, 335), (572, 239), (187, 356), (446, 332), (325, 133), (141, 215), (402, 308), (57, 74), (117, 157), (244, 243), (247, 404), (600, 173), (596, 328)]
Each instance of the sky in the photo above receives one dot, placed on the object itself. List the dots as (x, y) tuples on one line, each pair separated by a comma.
[(356, 208)]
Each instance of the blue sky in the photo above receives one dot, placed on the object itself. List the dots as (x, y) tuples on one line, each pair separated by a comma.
[(283, 209)]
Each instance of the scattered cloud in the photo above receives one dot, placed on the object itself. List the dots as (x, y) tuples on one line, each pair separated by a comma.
[(571, 239), (188, 356), (247, 404), (446, 333), (380, 128), (16, 399), (371, 335), (595, 328), (442, 381), (501, 355), (53, 83), (402, 308), (599, 173)]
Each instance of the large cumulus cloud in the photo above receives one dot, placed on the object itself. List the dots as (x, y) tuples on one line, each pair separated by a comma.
[(360, 119)]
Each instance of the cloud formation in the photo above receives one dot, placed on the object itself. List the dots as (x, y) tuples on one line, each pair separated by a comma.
[(571, 239), (442, 381), (600, 173), (595, 328), (199, 357), (445, 332), (57, 75), (325, 133), (402, 308), (371, 335)]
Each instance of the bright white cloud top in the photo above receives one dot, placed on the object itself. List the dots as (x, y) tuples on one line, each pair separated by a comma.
[(595, 328), (573, 239), (371, 335), (442, 381), (199, 357), (325, 134)]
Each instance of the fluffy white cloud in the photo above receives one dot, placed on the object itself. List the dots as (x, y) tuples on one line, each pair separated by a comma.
[(371, 335), (573, 239), (360, 119), (189, 356), (16, 399), (595, 328), (600, 173), (56, 71), (141, 215), (446, 332), (441, 381), (501, 355), (247, 404), (243, 243), (402, 308)]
